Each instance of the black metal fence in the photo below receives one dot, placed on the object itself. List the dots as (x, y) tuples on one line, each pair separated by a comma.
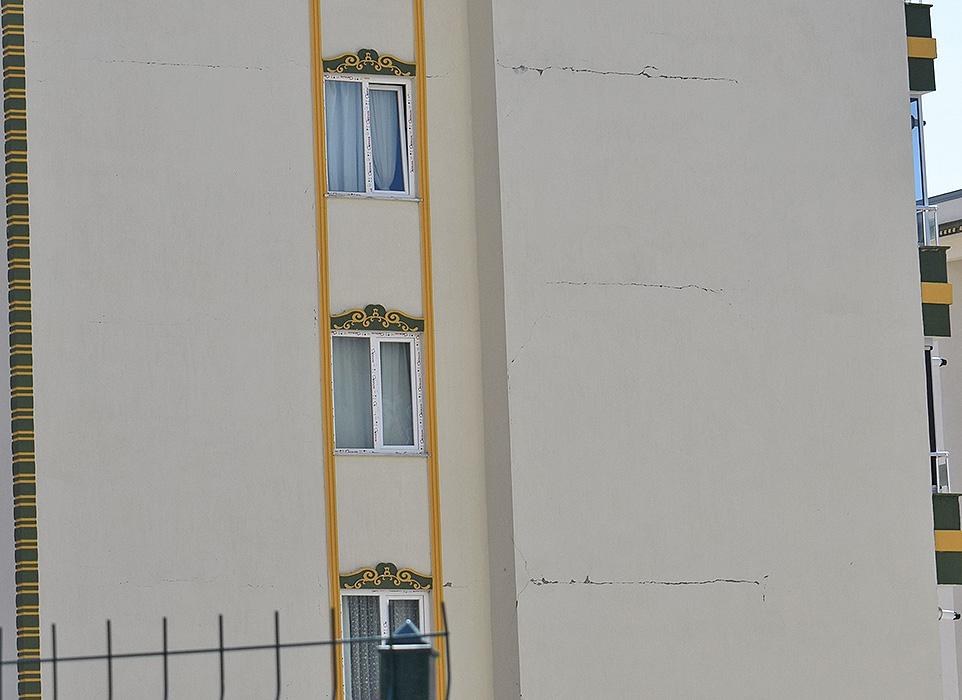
[(164, 654)]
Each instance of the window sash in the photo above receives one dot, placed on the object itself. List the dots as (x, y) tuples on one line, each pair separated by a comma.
[(406, 130), (399, 93), (375, 339), (353, 412)]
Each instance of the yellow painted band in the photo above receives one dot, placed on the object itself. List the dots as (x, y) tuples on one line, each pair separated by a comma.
[(936, 292), (324, 333), (922, 47), (948, 540), (427, 303)]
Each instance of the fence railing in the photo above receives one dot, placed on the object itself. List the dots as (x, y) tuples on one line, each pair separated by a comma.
[(927, 224), (54, 661)]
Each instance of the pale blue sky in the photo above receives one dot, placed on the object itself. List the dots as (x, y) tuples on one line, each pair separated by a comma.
[(943, 108)]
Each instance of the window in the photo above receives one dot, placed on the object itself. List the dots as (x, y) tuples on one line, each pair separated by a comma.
[(918, 149), (369, 145), (375, 614), (377, 392)]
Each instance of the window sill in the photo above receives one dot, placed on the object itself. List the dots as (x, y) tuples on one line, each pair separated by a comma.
[(374, 195), (379, 453)]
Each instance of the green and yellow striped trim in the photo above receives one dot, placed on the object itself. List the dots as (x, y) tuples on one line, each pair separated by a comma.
[(936, 291), (920, 47), (21, 351), (947, 517)]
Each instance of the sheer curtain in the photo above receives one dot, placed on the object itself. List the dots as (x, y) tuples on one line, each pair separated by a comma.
[(353, 415), (363, 614), (401, 609), (397, 409), (386, 140), (345, 136)]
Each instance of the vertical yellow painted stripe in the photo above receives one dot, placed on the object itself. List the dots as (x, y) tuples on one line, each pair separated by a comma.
[(324, 334), (427, 301)]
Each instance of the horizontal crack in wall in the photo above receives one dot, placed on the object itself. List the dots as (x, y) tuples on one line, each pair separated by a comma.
[(168, 64), (646, 72), (588, 582), (679, 287)]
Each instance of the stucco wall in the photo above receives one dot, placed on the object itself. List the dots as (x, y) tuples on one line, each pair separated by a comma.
[(661, 395), (177, 339), (376, 256), (711, 303), (176, 342)]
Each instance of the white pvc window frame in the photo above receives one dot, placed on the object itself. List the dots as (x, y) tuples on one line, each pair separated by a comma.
[(385, 597), (384, 601), (404, 90), (375, 339)]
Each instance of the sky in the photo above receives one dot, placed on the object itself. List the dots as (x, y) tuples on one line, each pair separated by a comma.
[(942, 109)]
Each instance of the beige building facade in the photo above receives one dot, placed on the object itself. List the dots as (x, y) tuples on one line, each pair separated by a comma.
[(595, 323), (948, 404)]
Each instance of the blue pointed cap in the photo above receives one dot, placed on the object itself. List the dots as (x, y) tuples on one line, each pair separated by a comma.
[(407, 633)]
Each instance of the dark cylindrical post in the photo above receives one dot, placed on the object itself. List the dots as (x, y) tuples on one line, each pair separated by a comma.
[(930, 406), (53, 647), (110, 664), (164, 652), (334, 648), (447, 652), (277, 652), (220, 652)]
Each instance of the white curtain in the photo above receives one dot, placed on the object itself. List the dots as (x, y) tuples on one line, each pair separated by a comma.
[(363, 614), (345, 136), (402, 609), (353, 414), (386, 141), (397, 409)]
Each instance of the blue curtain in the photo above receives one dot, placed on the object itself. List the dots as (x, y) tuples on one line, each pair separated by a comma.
[(345, 136), (386, 141)]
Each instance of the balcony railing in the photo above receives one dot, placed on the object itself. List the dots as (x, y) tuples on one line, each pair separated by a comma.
[(927, 223), (940, 464)]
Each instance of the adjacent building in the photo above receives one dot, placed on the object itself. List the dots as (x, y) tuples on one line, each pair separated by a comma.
[(593, 328), (946, 212)]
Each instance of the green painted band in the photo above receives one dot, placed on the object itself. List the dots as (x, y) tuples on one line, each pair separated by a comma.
[(922, 74), (948, 568)]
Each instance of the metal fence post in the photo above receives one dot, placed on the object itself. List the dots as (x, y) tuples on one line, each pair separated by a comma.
[(110, 664), (277, 652), (166, 684), (220, 651), (53, 642)]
